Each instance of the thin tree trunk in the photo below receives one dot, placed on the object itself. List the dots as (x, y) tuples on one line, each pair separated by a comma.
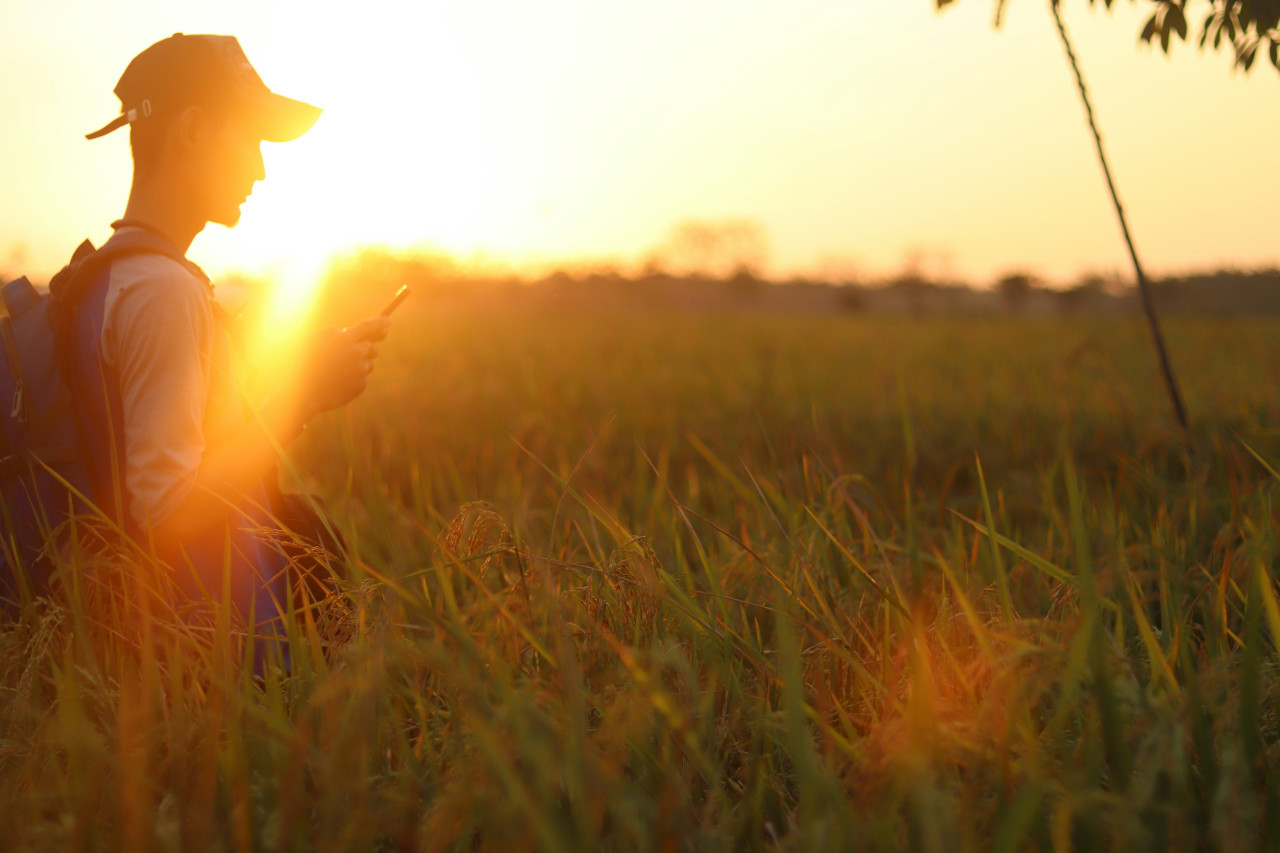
[(1144, 288)]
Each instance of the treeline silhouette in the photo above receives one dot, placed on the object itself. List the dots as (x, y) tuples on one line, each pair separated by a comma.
[(360, 280), (363, 280)]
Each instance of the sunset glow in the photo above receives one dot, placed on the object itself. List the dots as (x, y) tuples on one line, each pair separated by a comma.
[(856, 134), (679, 425)]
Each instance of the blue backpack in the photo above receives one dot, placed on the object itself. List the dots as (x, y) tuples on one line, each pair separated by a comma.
[(43, 478)]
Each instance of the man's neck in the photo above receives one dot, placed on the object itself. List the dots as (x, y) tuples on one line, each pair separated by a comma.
[(163, 213)]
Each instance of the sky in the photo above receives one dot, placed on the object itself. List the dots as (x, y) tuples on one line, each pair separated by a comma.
[(863, 135)]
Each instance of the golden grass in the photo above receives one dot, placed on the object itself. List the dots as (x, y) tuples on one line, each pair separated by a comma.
[(717, 583)]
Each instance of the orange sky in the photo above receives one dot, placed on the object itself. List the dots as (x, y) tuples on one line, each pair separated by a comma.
[(858, 131)]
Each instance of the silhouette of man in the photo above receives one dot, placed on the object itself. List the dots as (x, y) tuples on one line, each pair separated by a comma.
[(172, 450)]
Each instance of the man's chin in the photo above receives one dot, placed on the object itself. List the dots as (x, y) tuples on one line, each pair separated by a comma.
[(228, 215), (229, 218)]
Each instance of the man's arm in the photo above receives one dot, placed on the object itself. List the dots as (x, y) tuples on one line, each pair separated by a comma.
[(162, 337), (334, 372)]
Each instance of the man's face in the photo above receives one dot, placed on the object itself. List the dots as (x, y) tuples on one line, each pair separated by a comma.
[(228, 165)]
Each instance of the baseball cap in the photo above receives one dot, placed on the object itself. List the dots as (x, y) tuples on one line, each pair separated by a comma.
[(187, 70)]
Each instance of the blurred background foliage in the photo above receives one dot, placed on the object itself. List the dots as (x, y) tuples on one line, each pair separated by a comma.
[(1247, 27)]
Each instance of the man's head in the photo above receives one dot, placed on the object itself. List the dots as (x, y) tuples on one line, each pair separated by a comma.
[(197, 113)]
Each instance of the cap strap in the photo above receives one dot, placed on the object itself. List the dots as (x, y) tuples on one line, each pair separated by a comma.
[(116, 123)]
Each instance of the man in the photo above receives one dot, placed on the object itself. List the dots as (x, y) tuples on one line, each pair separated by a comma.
[(172, 452)]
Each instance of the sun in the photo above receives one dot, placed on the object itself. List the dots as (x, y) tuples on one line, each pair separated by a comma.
[(402, 155)]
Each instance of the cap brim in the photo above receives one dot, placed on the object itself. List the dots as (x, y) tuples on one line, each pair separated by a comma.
[(113, 125), (281, 119)]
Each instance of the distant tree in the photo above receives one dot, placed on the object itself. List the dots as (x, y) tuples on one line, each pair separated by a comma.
[(1015, 288), (838, 269), (362, 279), (1244, 25), (714, 249), (744, 284), (929, 264), (602, 278), (913, 288), (1087, 292), (853, 299), (379, 267), (1105, 281), (558, 280), (651, 266)]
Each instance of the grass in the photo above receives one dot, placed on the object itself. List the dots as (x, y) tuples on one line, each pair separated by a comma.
[(629, 582)]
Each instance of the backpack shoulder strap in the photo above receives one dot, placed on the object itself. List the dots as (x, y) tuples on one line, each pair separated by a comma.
[(69, 286), (137, 241)]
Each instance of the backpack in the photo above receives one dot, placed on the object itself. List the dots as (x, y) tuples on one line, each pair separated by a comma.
[(43, 478)]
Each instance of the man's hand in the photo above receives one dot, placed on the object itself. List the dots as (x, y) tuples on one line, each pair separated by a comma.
[(336, 368)]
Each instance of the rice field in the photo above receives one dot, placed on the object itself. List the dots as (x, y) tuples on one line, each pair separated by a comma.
[(646, 582)]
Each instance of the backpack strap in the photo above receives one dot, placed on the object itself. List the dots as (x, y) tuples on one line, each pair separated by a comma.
[(66, 290), (60, 409), (10, 346), (19, 412), (136, 239), (69, 287), (73, 281)]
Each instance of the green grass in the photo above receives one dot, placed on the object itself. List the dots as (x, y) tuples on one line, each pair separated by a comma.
[(718, 583)]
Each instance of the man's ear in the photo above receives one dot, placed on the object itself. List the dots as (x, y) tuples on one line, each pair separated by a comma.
[(192, 129)]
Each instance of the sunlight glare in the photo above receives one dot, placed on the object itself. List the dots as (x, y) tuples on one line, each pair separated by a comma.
[(379, 167)]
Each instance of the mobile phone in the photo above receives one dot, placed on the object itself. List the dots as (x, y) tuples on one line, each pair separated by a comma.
[(396, 300)]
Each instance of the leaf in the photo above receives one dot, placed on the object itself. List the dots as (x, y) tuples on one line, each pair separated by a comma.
[(1002, 580), (1256, 455), (1017, 819), (1270, 607), (1179, 21), (1149, 30), (1159, 664), (1246, 55), (1034, 559)]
